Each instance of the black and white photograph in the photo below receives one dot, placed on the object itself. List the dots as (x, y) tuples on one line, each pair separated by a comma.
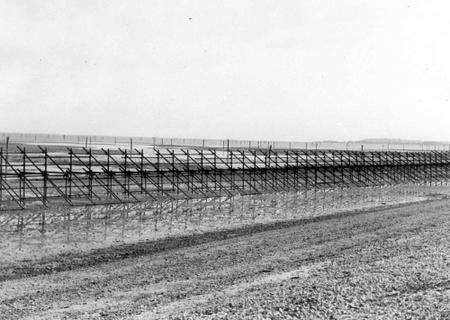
[(224, 159)]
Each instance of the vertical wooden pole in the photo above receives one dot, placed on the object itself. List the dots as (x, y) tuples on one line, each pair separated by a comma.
[(6, 154), (202, 168), (188, 174), (1, 175), (158, 171), (22, 178), (127, 189), (173, 171), (70, 174), (142, 172), (90, 173), (45, 174), (109, 179)]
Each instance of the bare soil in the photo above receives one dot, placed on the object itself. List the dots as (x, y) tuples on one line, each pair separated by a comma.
[(69, 231), (390, 263)]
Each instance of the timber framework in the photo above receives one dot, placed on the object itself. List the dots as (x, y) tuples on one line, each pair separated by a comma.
[(39, 178)]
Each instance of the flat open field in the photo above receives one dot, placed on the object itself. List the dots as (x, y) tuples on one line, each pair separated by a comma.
[(81, 229), (378, 264)]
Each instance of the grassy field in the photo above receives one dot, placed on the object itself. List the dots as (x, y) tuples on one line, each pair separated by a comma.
[(377, 264)]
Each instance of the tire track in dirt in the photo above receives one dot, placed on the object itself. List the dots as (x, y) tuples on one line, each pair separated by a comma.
[(76, 260), (193, 278)]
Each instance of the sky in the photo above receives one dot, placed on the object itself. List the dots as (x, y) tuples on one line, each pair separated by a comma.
[(296, 70)]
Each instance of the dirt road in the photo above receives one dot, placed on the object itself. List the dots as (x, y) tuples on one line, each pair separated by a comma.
[(388, 264)]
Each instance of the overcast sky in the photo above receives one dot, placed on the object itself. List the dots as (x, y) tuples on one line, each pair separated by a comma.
[(280, 70)]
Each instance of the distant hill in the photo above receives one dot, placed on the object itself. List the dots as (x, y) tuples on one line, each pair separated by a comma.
[(400, 141)]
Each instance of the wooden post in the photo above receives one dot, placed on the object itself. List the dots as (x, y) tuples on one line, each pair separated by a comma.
[(6, 153), (22, 178), (127, 188), (90, 174), (70, 174), (143, 177), (1, 175), (45, 174), (109, 179), (228, 151)]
